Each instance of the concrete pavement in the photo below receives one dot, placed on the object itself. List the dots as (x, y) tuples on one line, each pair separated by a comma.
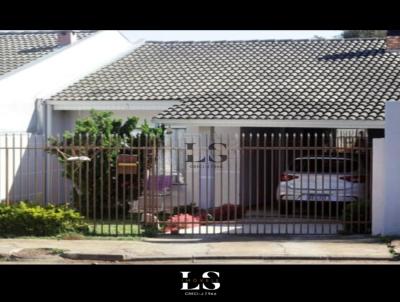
[(206, 248)]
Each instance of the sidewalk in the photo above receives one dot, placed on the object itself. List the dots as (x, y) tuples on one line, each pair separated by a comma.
[(211, 247)]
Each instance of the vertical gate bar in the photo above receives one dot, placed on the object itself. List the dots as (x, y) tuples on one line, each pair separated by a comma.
[(21, 194), (151, 180), (200, 149), (353, 148), (286, 182), (139, 182), (125, 139), (323, 182), (131, 145), (108, 159), (72, 172), (156, 182), (315, 180), (279, 181), (13, 169), (178, 169), (272, 174), (294, 181), (228, 184), (265, 182), (170, 174), (330, 183), (28, 167), (145, 177), (366, 182), (7, 172), (116, 197), (308, 180), (186, 178), (221, 191), (242, 172), (44, 171), (162, 150), (35, 169), (80, 172), (237, 199), (342, 141), (250, 150), (257, 179), (94, 182), (101, 182), (301, 181), (27, 171), (359, 161), (193, 179), (207, 180), (65, 178)]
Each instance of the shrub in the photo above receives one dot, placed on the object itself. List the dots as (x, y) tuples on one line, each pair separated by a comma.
[(355, 212), (26, 219), (101, 137)]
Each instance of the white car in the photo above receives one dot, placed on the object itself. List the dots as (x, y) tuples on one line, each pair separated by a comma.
[(322, 179)]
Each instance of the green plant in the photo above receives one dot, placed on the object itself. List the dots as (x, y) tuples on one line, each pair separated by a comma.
[(101, 138), (357, 217), (55, 251), (27, 219), (150, 231)]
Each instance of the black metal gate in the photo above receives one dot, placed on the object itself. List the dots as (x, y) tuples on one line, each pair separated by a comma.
[(249, 183)]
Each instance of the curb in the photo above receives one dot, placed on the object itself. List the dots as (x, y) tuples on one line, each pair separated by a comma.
[(123, 257), (99, 257)]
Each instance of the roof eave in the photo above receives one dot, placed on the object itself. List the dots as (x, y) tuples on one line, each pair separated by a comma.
[(344, 124)]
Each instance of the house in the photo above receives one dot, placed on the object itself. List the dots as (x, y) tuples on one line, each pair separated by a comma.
[(222, 90), (35, 65), (236, 87)]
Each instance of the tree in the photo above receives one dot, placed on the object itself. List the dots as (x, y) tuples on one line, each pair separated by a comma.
[(363, 34), (89, 156)]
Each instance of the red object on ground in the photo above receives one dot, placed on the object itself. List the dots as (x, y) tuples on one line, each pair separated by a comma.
[(181, 221)]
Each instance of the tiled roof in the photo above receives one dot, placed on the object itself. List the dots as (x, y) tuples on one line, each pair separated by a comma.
[(283, 79), (19, 48)]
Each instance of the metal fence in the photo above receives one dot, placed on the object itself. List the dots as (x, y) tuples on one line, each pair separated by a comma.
[(250, 183)]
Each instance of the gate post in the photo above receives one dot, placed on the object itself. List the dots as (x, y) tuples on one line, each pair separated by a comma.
[(391, 196), (378, 185)]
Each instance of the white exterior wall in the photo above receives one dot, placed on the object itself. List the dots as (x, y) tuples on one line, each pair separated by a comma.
[(391, 193), (386, 176), (378, 186)]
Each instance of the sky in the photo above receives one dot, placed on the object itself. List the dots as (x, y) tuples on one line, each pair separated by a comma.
[(210, 35)]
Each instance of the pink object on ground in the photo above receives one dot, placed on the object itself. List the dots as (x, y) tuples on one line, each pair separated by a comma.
[(181, 221)]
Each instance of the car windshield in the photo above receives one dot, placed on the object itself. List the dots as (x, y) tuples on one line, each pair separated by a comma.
[(324, 165)]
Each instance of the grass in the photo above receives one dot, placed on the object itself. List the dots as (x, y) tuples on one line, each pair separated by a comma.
[(114, 228)]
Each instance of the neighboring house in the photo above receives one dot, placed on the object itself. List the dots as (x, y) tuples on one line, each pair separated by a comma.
[(221, 87), (34, 66)]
